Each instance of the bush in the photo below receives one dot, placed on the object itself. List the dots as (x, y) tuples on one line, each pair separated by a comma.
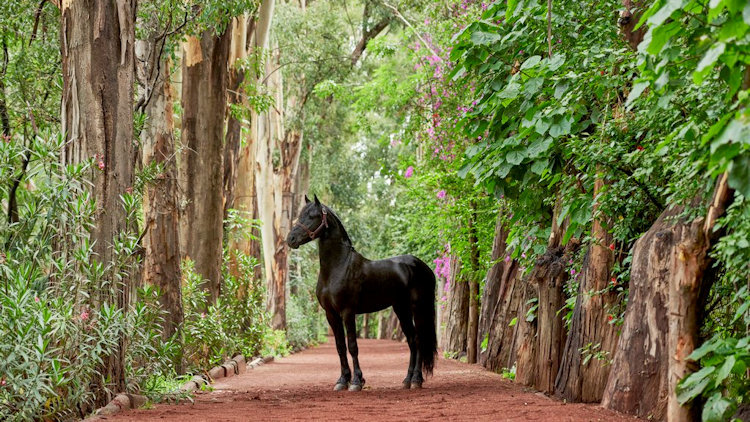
[(58, 318)]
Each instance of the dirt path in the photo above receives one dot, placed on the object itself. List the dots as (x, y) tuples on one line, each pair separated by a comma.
[(299, 388)]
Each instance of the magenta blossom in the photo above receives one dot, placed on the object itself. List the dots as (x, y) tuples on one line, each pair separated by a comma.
[(409, 172), (84, 315), (441, 194)]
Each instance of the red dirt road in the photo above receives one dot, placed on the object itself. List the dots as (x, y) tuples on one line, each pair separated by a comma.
[(299, 388)]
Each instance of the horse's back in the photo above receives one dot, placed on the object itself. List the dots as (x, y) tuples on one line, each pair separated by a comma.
[(389, 282)]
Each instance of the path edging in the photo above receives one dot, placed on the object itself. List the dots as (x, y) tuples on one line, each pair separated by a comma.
[(235, 366)]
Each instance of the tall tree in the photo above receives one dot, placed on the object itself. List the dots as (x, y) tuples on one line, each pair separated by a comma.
[(204, 92), (161, 263), (97, 43)]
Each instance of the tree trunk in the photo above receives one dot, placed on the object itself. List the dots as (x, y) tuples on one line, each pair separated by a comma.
[(97, 46), (233, 139), (664, 312), (549, 275), (473, 320), (204, 90), (638, 378), (491, 289), (525, 334), (389, 326), (589, 328), (244, 197), (454, 340), (161, 263), (540, 342)]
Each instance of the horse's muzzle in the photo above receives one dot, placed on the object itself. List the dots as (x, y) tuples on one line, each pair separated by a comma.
[(292, 242)]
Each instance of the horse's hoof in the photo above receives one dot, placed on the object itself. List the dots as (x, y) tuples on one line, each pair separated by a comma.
[(415, 385), (340, 387), (406, 385), (355, 387)]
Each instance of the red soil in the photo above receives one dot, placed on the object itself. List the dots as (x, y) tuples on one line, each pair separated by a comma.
[(299, 388)]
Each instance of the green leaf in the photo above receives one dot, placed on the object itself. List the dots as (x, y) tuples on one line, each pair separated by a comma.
[(513, 322), (560, 128), (538, 147), (657, 38), (636, 92), (539, 166), (707, 347), (664, 12), (739, 174), (485, 38), (511, 91), (693, 386), (464, 170), (554, 62), (708, 61), (561, 89), (724, 371), (718, 408), (515, 157), (541, 126), (531, 62), (746, 14)]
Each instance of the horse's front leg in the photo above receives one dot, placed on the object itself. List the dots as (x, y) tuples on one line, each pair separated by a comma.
[(334, 320), (351, 334)]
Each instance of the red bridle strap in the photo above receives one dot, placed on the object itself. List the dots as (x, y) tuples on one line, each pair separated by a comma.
[(316, 232)]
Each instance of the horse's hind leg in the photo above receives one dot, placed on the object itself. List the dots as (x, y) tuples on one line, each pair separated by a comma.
[(407, 326), (351, 333), (338, 331)]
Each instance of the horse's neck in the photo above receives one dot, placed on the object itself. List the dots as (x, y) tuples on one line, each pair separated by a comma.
[(334, 251)]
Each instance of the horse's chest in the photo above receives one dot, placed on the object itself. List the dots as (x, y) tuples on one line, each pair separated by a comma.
[(336, 294)]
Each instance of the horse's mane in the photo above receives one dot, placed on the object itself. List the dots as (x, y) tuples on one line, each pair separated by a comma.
[(337, 220)]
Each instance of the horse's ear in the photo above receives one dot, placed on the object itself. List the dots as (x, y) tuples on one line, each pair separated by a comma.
[(317, 202), (307, 200)]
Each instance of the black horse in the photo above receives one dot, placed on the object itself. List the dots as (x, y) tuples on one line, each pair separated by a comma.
[(350, 284)]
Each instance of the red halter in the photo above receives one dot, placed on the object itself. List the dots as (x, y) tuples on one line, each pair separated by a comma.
[(323, 223)]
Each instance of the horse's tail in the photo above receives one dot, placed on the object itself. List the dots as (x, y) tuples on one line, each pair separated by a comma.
[(424, 316)]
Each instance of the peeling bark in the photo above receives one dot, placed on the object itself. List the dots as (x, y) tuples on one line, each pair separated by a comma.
[(457, 316), (491, 291), (638, 378), (97, 46), (161, 263), (201, 227), (473, 320), (589, 326)]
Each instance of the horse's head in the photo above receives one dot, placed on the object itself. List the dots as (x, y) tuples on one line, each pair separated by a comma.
[(312, 220)]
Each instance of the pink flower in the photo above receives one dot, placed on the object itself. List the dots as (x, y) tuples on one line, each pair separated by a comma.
[(409, 172), (84, 315), (129, 190), (36, 299), (2, 382), (572, 271), (203, 314), (101, 165), (441, 194), (523, 254), (507, 258)]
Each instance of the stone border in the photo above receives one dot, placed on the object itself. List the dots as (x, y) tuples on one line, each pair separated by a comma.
[(235, 366)]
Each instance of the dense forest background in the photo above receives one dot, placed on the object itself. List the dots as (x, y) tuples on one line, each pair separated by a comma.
[(577, 171)]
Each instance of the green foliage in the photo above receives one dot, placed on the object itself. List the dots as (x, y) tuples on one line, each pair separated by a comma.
[(59, 323), (236, 323)]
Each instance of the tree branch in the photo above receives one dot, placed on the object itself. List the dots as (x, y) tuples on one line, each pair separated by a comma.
[(366, 37), (407, 23), (37, 15)]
